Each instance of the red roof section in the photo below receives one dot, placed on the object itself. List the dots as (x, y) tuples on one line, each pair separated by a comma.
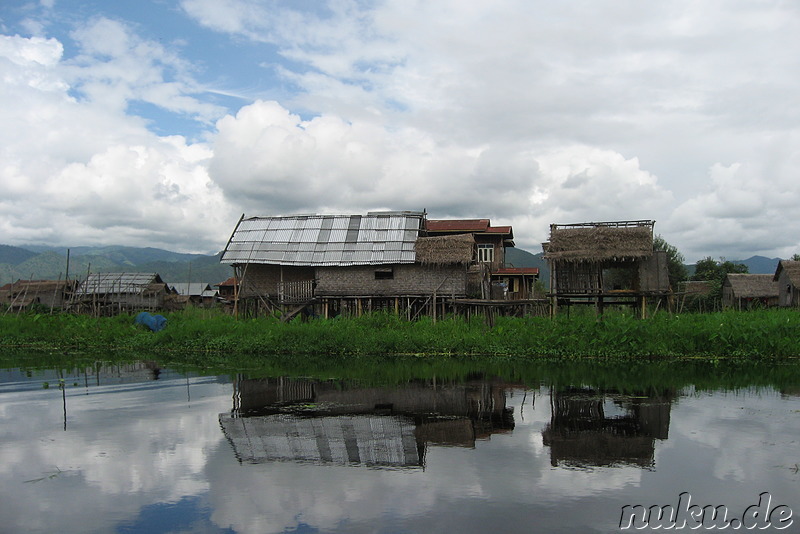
[(499, 230), (457, 225), (516, 270)]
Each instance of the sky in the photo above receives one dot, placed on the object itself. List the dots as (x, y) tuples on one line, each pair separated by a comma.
[(160, 123)]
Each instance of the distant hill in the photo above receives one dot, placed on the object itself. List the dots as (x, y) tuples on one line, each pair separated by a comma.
[(119, 254), (517, 257), (755, 265), (14, 255), (760, 264), (50, 263)]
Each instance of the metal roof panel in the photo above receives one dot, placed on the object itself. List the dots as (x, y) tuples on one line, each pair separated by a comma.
[(332, 239)]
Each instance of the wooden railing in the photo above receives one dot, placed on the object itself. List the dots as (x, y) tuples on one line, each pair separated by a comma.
[(302, 291)]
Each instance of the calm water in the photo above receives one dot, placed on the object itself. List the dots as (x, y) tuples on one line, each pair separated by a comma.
[(134, 448)]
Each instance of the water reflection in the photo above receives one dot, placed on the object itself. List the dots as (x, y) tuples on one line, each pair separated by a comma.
[(603, 428), (340, 423), (177, 452)]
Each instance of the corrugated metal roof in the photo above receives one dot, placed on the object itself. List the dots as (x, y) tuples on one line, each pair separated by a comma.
[(190, 288), (101, 283), (325, 240)]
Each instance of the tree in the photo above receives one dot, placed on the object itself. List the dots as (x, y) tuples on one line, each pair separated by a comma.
[(796, 257), (705, 269), (675, 266), (714, 271)]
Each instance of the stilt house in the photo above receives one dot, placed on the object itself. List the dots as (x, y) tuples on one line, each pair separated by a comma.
[(24, 294), (111, 293), (787, 276), (382, 260), (745, 291), (196, 293), (604, 263), (490, 277)]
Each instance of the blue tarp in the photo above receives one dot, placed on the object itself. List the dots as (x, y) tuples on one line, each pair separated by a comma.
[(153, 322)]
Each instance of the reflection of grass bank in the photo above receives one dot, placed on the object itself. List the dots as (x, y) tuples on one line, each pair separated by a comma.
[(631, 376), (766, 334)]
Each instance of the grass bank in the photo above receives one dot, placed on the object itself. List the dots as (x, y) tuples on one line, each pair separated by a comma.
[(220, 338)]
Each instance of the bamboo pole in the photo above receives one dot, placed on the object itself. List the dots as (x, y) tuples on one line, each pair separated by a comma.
[(55, 292)]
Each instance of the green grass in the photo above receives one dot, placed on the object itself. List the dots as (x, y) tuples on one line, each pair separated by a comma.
[(762, 334)]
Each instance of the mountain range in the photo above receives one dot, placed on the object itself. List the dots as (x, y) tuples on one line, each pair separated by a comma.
[(50, 263), (38, 262)]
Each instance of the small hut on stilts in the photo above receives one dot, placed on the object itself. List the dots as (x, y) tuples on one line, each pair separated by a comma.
[(605, 263)]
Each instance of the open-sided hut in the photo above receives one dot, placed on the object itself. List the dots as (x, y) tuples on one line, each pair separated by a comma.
[(787, 276), (110, 293), (744, 291), (605, 263)]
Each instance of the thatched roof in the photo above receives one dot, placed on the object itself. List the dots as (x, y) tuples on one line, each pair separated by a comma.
[(598, 242), (752, 285), (792, 269), (697, 288), (38, 285), (445, 249)]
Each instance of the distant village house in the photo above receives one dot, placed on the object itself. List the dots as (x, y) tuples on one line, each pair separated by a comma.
[(746, 291), (25, 294), (787, 276), (111, 293)]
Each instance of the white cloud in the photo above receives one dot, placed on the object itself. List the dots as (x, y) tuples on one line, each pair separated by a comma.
[(271, 161), (116, 67), (526, 112), (78, 171)]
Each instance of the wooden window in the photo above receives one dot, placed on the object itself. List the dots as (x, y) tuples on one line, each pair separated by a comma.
[(485, 252), (384, 274)]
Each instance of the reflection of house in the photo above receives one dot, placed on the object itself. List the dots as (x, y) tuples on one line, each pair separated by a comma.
[(592, 428), (23, 294), (370, 440), (744, 291), (787, 276), (333, 422), (382, 260), (605, 263), (121, 292)]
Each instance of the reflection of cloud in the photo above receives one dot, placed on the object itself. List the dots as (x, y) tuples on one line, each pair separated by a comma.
[(124, 448), (136, 450), (742, 425)]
